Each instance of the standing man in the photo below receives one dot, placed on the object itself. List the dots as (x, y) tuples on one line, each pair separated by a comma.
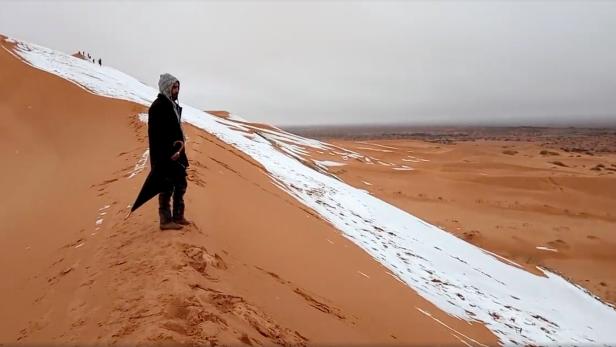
[(167, 154)]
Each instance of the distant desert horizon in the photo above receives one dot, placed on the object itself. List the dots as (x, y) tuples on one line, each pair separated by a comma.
[(601, 139), (374, 129), (581, 121)]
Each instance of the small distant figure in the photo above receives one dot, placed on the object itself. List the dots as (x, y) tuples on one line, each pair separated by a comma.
[(100, 62)]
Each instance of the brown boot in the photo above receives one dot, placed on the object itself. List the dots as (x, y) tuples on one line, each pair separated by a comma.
[(170, 226), (178, 211), (182, 221)]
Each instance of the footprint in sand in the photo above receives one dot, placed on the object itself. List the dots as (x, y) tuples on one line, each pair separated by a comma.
[(200, 259), (257, 319), (470, 235), (215, 310), (310, 299), (558, 244), (195, 178)]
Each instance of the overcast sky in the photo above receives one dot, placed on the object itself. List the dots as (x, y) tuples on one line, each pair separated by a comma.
[(298, 63)]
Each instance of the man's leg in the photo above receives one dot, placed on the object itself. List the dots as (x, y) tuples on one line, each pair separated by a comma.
[(178, 200), (164, 211)]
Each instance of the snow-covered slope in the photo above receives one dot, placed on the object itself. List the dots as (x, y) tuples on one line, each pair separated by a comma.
[(461, 279)]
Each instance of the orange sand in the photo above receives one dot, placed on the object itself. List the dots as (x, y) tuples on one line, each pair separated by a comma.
[(256, 268), (505, 197)]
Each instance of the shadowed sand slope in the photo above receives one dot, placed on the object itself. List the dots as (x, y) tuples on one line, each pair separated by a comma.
[(256, 267)]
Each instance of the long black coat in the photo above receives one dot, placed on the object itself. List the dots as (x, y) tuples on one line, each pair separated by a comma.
[(163, 130)]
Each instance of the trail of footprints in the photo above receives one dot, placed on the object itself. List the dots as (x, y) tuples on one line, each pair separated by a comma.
[(192, 311), (184, 307), (310, 299)]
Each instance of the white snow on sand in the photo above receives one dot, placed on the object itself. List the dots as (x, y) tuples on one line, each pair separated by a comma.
[(413, 158), (461, 279), (143, 117), (140, 165), (329, 163), (375, 144), (542, 248), (236, 118), (376, 149)]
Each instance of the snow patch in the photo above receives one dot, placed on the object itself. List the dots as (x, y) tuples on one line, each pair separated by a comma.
[(375, 144), (236, 118), (375, 149), (143, 117), (328, 163), (542, 248), (140, 165)]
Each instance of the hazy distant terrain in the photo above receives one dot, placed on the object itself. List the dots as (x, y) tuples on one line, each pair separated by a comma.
[(583, 140)]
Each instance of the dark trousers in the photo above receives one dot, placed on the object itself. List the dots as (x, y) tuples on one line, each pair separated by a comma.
[(176, 187)]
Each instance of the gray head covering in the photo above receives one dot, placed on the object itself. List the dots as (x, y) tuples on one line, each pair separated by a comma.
[(165, 83)]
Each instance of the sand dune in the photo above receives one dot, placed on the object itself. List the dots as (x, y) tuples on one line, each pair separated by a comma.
[(273, 257), (257, 267)]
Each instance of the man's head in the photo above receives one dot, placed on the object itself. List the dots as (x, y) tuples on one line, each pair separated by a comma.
[(175, 90), (169, 86)]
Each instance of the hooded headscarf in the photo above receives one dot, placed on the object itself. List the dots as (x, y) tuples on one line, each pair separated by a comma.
[(165, 83)]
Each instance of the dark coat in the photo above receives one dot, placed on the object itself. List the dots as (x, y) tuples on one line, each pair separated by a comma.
[(163, 130)]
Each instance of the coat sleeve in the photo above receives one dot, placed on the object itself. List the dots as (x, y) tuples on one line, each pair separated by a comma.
[(183, 158)]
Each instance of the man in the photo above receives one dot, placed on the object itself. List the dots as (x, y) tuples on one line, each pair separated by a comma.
[(167, 154)]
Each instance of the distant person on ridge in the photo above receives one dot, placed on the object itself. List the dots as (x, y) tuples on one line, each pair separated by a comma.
[(100, 62), (167, 152)]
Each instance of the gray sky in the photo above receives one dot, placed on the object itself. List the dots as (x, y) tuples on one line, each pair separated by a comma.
[(296, 63)]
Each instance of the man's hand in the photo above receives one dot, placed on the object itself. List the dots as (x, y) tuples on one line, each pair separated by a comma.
[(176, 155)]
